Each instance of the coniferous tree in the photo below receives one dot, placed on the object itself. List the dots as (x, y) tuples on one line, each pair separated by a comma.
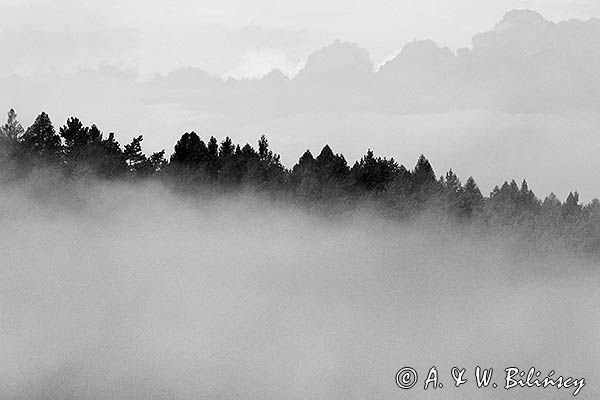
[(453, 191), (333, 176), (41, 144), (325, 182), (424, 186), (136, 160), (471, 199), (190, 151), (113, 163), (12, 129), (304, 166), (331, 167), (373, 174), (226, 149), (303, 178), (423, 174), (87, 153), (271, 173), (213, 162), (10, 134), (571, 209), (151, 166)]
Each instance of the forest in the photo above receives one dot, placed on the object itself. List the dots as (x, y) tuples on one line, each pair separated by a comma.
[(325, 183)]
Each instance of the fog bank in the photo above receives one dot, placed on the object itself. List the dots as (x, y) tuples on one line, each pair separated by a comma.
[(131, 292)]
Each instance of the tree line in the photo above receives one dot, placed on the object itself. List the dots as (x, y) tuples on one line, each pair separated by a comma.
[(325, 182)]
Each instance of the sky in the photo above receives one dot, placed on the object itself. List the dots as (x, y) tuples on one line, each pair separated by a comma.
[(42, 39), (236, 37)]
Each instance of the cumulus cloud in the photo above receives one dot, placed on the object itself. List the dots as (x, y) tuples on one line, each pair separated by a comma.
[(534, 82), (258, 63)]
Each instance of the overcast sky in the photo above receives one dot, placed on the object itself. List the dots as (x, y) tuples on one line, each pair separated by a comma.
[(238, 37), (248, 38)]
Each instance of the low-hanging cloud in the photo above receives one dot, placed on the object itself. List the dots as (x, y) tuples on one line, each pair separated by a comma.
[(130, 291)]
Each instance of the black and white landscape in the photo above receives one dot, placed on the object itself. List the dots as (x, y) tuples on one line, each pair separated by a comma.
[(296, 201)]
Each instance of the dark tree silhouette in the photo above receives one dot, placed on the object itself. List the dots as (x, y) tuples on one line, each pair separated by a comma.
[(324, 183), (41, 144), (190, 151), (88, 153), (423, 175), (372, 173)]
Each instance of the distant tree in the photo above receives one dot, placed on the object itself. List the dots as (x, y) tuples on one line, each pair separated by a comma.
[(263, 147), (114, 163), (76, 138), (423, 174), (373, 174), (271, 174), (527, 201), (190, 151), (304, 166), (424, 187), (73, 132), (471, 199), (10, 134), (589, 229), (213, 163), (398, 200), (226, 149), (331, 168), (41, 143), (88, 153), (571, 209), (12, 129), (325, 182), (452, 182), (157, 161), (452, 192), (303, 178), (150, 166), (135, 158)]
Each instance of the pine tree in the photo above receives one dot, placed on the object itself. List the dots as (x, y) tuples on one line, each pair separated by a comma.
[(10, 134), (423, 174), (41, 143), (134, 156), (227, 149), (571, 209), (373, 174), (213, 163), (471, 199), (190, 151), (12, 130)]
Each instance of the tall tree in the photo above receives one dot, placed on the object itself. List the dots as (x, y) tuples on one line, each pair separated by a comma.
[(423, 174), (331, 167), (471, 199), (571, 209), (227, 148), (372, 173), (10, 134), (133, 154), (88, 153), (41, 142), (190, 151), (12, 129)]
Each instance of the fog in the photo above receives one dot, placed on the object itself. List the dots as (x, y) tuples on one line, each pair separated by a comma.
[(132, 292)]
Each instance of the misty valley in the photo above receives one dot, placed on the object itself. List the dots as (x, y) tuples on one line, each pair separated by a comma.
[(325, 184), (220, 273), (330, 200)]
